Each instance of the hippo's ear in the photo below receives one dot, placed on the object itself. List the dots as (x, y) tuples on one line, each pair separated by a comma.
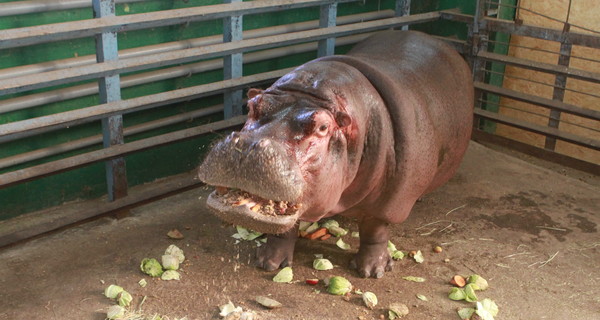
[(343, 119), (253, 92)]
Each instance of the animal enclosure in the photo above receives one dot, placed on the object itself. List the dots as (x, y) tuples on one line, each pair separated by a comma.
[(105, 98)]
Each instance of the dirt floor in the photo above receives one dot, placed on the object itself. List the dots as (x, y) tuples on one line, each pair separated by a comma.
[(531, 232)]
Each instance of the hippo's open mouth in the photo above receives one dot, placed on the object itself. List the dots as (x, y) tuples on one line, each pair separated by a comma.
[(263, 215)]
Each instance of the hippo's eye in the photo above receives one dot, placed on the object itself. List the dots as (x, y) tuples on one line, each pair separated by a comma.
[(322, 129)]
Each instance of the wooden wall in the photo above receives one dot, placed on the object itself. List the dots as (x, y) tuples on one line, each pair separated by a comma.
[(583, 13)]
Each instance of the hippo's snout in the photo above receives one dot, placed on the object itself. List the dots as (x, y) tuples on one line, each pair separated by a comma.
[(259, 166)]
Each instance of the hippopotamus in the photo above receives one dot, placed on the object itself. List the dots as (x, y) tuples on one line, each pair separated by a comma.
[(363, 135)]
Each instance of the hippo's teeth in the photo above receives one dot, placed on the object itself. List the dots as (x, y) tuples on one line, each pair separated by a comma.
[(241, 202), (256, 204)]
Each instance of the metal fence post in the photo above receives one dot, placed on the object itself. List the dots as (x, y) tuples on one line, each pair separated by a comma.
[(403, 9), (560, 83), (110, 90), (232, 64), (327, 19)]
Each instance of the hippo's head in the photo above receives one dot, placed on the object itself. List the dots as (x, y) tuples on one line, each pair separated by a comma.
[(289, 160)]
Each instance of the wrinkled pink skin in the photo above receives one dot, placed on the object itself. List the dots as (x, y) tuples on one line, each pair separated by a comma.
[(396, 124)]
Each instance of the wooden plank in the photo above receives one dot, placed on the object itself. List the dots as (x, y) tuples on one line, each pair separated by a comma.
[(551, 104), (547, 131)]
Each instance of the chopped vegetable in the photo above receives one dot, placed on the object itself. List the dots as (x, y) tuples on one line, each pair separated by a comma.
[(470, 292), (142, 283), (422, 297), (414, 279), (397, 310), (339, 286), (437, 249), (458, 281), (330, 223), (342, 245), (124, 299), (479, 282), (465, 313), (170, 262), (355, 234), (245, 234), (370, 299), (151, 267), (304, 225), (457, 294), (394, 253), (418, 256), (113, 291), (228, 308), (268, 302), (317, 234), (312, 282), (175, 234), (175, 251), (337, 231), (487, 309), (115, 312), (170, 275), (322, 264), (285, 275), (312, 228)]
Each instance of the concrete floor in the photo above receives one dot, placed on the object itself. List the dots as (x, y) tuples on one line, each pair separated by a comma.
[(531, 231)]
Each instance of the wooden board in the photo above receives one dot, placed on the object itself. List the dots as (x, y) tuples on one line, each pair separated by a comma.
[(583, 13)]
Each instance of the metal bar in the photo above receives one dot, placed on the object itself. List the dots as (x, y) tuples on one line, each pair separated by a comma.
[(42, 98), (327, 19), (232, 64), (511, 27), (185, 44), (54, 167), (37, 223), (110, 91), (20, 129), (27, 7), (455, 15), (551, 104), (544, 130), (484, 137), (79, 29), (558, 94), (544, 67), (97, 139), (57, 77), (403, 9)]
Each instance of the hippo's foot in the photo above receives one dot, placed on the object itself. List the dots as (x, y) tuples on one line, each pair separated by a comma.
[(278, 252), (372, 260)]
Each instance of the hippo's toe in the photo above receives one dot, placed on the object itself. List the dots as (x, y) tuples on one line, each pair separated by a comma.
[(372, 260)]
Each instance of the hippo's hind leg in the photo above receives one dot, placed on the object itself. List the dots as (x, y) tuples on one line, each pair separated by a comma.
[(278, 252), (372, 259)]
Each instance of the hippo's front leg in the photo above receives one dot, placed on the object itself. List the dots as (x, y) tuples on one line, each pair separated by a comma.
[(372, 259), (278, 252)]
